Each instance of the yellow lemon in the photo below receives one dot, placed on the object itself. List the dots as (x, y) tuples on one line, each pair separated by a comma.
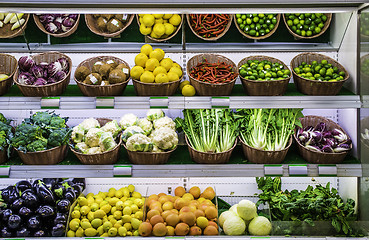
[(136, 195), (140, 19), (184, 83), (151, 64), (159, 69), (165, 21), (141, 15), (176, 65), (172, 77), (146, 49), (169, 28), (147, 77), (188, 90), (140, 59), (136, 72), (178, 71), (175, 20), (144, 30), (148, 20), (131, 188), (158, 54), (153, 35), (166, 63), (159, 29), (161, 78), (158, 15), (167, 16), (160, 20)]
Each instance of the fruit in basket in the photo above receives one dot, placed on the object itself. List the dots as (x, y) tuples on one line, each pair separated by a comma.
[(264, 70), (3, 76), (15, 20), (321, 71), (256, 25), (306, 24), (159, 25)]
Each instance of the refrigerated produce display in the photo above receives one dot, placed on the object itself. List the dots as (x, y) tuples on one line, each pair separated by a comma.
[(178, 120)]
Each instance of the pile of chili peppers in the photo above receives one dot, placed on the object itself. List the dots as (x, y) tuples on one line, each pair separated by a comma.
[(216, 73), (209, 25)]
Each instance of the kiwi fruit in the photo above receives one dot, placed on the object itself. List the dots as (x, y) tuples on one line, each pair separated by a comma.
[(107, 16), (96, 66), (93, 79), (117, 76), (122, 17), (101, 23), (104, 83), (114, 25), (112, 63), (105, 70), (81, 73)]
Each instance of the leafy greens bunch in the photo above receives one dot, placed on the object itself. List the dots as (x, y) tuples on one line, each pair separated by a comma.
[(42, 131), (313, 204), (5, 134), (209, 130)]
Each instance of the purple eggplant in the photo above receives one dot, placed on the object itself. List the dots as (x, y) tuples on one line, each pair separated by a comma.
[(50, 182), (63, 205), (70, 194), (30, 199), (45, 211), (80, 181), (44, 194), (40, 233), (61, 218), (6, 232), (25, 212), (78, 189), (14, 221), (58, 230), (17, 204), (23, 232), (6, 214), (34, 222), (22, 186)]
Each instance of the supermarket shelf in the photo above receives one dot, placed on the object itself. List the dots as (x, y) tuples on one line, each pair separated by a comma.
[(212, 237)]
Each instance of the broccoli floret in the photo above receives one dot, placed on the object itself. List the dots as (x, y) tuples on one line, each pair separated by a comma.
[(3, 140), (38, 145), (6, 128), (41, 118), (26, 134), (57, 122), (58, 137)]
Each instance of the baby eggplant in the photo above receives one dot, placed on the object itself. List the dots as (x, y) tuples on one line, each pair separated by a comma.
[(61, 218), (30, 199), (23, 232), (40, 233), (63, 205), (14, 221), (44, 194), (24, 212), (45, 211), (6, 214), (22, 186), (6, 232), (70, 194), (34, 222), (17, 204), (58, 230)]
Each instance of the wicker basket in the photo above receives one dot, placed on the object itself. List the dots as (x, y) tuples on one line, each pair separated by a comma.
[(107, 90), (260, 37), (3, 156), (264, 88), (48, 157), (105, 158), (54, 89), (209, 158), (8, 66), (12, 34), (315, 87), (148, 158), (91, 24), (208, 89), (65, 34), (264, 157), (162, 39), (326, 26), (318, 157), (212, 38)]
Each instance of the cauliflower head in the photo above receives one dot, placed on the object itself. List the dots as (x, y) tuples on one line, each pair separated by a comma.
[(154, 114), (89, 123), (165, 138), (164, 122), (155, 149), (130, 131), (128, 120), (260, 226), (82, 147), (106, 141), (92, 137), (78, 134), (112, 127), (140, 143), (145, 125), (94, 150)]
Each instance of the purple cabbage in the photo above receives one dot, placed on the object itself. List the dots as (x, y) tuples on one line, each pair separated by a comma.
[(51, 28), (318, 136), (51, 80), (26, 78), (37, 71), (53, 68), (339, 135), (40, 82), (64, 28), (313, 148), (58, 19), (46, 18), (64, 64), (73, 16), (25, 63), (342, 147), (327, 149), (68, 22), (320, 127), (60, 76), (58, 26), (44, 65)]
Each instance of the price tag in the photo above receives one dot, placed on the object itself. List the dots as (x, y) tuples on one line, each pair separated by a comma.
[(159, 102), (50, 102), (327, 170), (122, 171), (4, 171), (104, 102), (298, 170), (273, 170), (220, 102)]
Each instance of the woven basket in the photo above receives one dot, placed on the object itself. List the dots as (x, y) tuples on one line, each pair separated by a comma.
[(162, 39), (17, 32), (260, 37), (315, 87), (317, 157), (47, 157), (326, 26), (212, 38), (209, 158), (54, 89), (148, 158), (91, 24), (264, 157), (208, 89), (107, 90), (65, 34), (3, 156), (8, 66), (264, 88), (105, 158)]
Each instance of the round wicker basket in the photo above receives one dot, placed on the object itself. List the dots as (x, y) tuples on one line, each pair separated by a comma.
[(148, 158), (91, 24), (8, 66), (211, 38), (48, 157), (260, 37), (65, 34), (17, 32)]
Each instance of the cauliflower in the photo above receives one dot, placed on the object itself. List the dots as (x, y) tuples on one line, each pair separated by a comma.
[(165, 138), (106, 141), (139, 142), (154, 114), (234, 226), (128, 120), (78, 134), (164, 122), (82, 147), (260, 226), (131, 131), (146, 125), (112, 127), (246, 210), (87, 124), (156, 149), (92, 137), (94, 150)]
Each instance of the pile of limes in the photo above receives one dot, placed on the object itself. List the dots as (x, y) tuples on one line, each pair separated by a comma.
[(322, 71), (159, 25), (256, 25), (264, 70), (306, 24)]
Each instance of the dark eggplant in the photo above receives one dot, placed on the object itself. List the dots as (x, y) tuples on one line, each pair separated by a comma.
[(80, 181), (44, 194), (9, 194), (61, 218), (6, 232), (14, 221), (22, 186), (30, 199), (58, 230), (45, 211), (77, 189), (5, 194), (17, 204), (70, 194), (25, 212), (50, 182), (35, 182), (23, 232), (6, 214), (34, 222), (40, 233), (63, 205)]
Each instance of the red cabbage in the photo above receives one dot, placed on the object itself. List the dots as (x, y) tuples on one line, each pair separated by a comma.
[(51, 80), (327, 149), (46, 18), (64, 28), (58, 19), (44, 65), (64, 64), (54, 68), (51, 28), (73, 16), (25, 63), (320, 127), (68, 22), (40, 82), (37, 71), (60, 76), (26, 78)]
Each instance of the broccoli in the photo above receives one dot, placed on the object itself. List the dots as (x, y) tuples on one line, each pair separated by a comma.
[(58, 137), (5, 127), (57, 122), (26, 134), (3, 119), (38, 145), (3, 140), (41, 118)]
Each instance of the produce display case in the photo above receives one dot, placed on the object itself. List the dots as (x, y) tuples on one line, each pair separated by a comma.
[(235, 180)]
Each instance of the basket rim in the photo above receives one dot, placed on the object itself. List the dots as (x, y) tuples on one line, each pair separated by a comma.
[(43, 151), (161, 39), (108, 35), (47, 85), (16, 62), (149, 153), (324, 153), (64, 34), (210, 153), (228, 26), (20, 30), (260, 37), (323, 30), (317, 81), (290, 140)]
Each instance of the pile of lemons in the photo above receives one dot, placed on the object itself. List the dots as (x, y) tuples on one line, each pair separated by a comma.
[(107, 214), (152, 67), (159, 25)]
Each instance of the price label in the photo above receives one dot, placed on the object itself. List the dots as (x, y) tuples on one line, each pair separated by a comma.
[(4, 171), (298, 170), (273, 170), (159, 102), (50, 102), (327, 170), (104, 102), (220, 102), (122, 171)]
